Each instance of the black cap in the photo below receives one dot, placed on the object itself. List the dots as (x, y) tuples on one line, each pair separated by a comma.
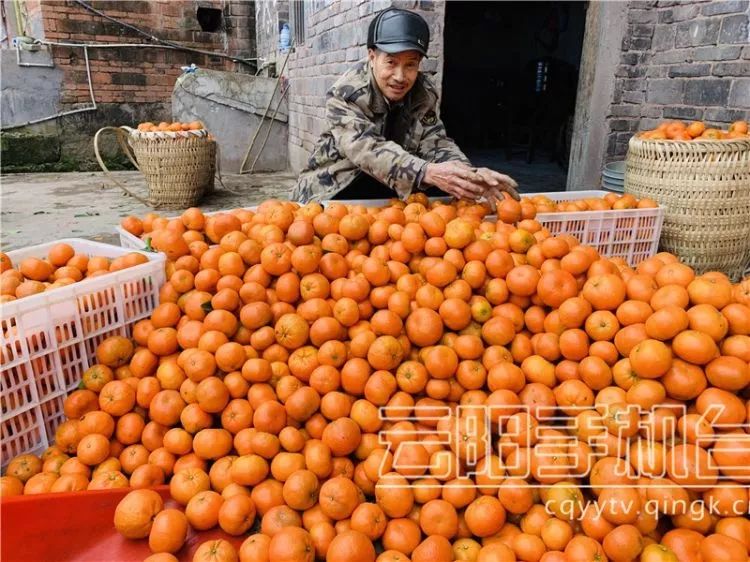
[(395, 30)]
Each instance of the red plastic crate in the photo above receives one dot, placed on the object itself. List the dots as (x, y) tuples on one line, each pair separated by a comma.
[(78, 527)]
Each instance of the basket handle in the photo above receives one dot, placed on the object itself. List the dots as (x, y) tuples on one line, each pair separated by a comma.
[(121, 134)]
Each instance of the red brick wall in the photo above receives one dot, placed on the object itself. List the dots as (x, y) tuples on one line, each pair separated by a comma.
[(139, 74)]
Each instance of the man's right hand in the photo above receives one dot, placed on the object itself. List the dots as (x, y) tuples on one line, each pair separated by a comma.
[(455, 178)]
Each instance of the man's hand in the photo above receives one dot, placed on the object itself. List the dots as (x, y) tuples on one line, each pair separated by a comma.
[(497, 183), (455, 178), (464, 182)]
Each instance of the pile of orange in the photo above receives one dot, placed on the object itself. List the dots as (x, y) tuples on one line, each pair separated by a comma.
[(611, 201), (356, 384), (697, 130), (62, 266), (194, 226), (149, 127)]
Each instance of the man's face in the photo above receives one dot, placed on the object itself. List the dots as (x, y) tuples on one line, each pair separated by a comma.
[(395, 73)]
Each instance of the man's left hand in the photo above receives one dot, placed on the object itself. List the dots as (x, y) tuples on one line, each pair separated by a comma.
[(497, 183)]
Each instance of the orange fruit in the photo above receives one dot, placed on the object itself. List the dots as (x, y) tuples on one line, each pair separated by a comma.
[(10, 486), (168, 531), (217, 550), (293, 544), (134, 515), (24, 467), (187, 483)]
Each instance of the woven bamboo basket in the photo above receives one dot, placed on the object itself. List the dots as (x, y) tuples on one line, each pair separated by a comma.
[(179, 166), (705, 188)]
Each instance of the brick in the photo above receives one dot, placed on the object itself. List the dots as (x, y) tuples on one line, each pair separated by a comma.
[(716, 53), (641, 16), (633, 97), (360, 35), (665, 16), (621, 149), (203, 37), (723, 115), (731, 69), (135, 7), (683, 112), (698, 32), (665, 91), (739, 95), (652, 111), (74, 26), (100, 78), (746, 52), (239, 8), (689, 70), (631, 71), (655, 71), (664, 37), (625, 137), (337, 69), (354, 53), (672, 57), (624, 110), (685, 11), (641, 30), (129, 78), (707, 92), (241, 33), (724, 7), (648, 123), (637, 43), (634, 84), (350, 35), (429, 65), (734, 29)]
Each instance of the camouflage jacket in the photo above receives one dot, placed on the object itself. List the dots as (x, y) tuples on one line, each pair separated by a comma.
[(353, 143)]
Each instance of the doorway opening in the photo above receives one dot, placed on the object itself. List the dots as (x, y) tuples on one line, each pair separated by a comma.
[(209, 19), (510, 77)]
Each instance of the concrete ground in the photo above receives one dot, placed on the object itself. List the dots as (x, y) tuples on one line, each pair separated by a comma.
[(37, 208), (538, 176)]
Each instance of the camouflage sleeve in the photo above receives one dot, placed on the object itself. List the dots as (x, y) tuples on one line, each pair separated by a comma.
[(359, 139), (435, 145)]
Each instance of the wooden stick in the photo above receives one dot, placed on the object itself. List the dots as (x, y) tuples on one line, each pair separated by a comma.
[(265, 114)]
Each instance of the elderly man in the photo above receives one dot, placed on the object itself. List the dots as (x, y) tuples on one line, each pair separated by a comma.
[(384, 137)]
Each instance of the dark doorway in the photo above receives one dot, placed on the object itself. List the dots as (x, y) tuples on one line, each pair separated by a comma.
[(509, 85)]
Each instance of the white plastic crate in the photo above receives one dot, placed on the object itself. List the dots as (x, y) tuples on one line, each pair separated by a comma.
[(128, 240), (133, 242), (48, 340), (632, 234)]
